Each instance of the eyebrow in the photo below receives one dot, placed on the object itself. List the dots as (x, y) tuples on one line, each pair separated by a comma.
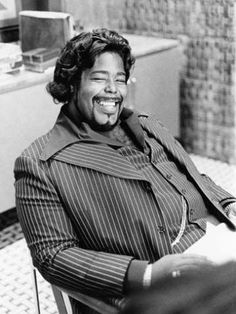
[(105, 72)]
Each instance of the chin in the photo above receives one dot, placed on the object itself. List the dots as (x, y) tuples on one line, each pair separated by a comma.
[(106, 126), (103, 127), (105, 123)]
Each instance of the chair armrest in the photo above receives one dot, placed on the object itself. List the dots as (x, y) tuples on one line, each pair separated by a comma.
[(96, 304)]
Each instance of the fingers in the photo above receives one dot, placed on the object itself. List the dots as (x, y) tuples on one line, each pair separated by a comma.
[(175, 263), (196, 259), (189, 263), (192, 269)]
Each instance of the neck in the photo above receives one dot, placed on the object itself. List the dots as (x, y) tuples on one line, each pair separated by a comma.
[(119, 134), (72, 112)]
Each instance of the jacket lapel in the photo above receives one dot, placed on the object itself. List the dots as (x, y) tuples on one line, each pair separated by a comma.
[(178, 153), (154, 128), (98, 157)]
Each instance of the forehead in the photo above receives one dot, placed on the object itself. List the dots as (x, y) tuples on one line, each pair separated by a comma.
[(108, 61)]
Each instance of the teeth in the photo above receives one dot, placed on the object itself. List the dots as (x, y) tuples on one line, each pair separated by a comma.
[(107, 103)]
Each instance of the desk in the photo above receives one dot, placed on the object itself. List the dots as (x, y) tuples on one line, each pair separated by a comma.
[(27, 111)]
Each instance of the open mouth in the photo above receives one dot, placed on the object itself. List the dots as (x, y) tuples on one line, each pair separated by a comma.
[(107, 105)]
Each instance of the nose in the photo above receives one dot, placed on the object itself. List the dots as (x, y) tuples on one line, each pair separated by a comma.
[(111, 87)]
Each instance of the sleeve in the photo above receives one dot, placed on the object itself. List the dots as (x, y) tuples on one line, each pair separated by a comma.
[(222, 196), (54, 245), (134, 276)]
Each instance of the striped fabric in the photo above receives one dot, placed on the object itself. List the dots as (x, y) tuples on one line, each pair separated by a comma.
[(87, 210), (168, 183)]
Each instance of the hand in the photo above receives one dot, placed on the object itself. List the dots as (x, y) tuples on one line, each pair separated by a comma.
[(177, 264)]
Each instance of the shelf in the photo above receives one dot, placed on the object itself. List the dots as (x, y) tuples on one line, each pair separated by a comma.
[(141, 46)]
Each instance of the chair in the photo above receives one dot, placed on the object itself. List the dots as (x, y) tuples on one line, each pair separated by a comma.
[(62, 299)]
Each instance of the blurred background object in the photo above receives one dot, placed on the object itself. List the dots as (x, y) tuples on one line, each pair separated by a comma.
[(44, 29), (10, 58), (42, 35), (207, 83), (211, 290)]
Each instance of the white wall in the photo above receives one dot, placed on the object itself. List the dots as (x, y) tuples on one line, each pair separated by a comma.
[(25, 114)]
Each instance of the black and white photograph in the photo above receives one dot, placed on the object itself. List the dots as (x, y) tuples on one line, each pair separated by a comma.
[(118, 157)]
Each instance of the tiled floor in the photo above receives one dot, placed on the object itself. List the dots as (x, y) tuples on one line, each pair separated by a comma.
[(16, 288), (16, 291)]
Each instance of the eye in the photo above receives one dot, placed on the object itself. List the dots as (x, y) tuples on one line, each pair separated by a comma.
[(98, 78), (121, 80)]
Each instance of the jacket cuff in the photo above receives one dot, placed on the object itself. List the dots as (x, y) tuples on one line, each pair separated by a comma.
[(134, 276), (225, 202)]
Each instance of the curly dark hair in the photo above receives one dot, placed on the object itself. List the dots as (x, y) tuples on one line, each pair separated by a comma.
[(79, 54)]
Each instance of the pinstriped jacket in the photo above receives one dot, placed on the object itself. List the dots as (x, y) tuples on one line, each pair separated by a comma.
[(86, 211)]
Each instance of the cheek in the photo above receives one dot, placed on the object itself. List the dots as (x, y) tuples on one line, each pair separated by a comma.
[(124, 94), (86, 97), (124, 91), (87, 93)]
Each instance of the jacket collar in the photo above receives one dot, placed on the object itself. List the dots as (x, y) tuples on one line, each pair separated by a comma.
[(66, 132), (105, 159)]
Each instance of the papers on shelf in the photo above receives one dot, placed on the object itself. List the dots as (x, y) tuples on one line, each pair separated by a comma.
[(10, 57), (218, 244)]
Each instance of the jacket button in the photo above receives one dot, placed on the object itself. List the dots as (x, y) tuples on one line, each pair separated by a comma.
[(191, 211), (183, 191), (168, 176), (161, 229), (148, 187)]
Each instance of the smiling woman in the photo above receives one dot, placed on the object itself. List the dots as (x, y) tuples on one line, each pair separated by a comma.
[(102, 91)]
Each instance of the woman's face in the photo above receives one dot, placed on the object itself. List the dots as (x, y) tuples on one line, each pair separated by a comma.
[(102, 91)]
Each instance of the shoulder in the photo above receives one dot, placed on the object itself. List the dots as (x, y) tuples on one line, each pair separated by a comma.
[(35, 149), (143, 114), (28, 162), (150, 119)]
